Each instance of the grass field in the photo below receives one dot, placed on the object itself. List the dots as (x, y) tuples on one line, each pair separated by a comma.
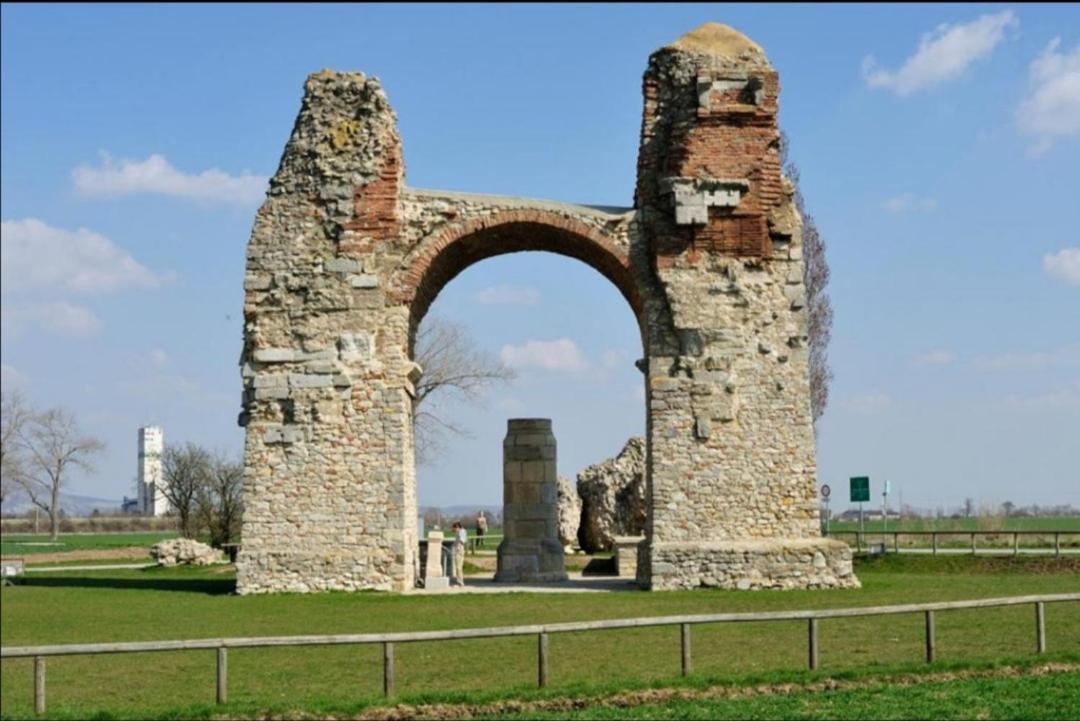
[(156, 604), (1034, 696), (28, 544), (983, 523)]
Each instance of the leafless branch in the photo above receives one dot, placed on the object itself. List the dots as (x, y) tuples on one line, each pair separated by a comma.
[(818, 305), (454, 370), (51, 445)]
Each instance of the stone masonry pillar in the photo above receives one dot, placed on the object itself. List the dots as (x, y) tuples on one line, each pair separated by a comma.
[(530, 551)]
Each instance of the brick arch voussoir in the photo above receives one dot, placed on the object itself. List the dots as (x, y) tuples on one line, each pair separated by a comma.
[(410, 284)]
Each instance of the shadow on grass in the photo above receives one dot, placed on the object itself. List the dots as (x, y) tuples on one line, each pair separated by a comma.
[(208, 586)]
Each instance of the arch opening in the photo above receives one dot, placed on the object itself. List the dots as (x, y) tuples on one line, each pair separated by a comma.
[(439, 260)]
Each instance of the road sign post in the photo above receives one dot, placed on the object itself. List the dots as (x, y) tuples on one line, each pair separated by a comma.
[(860, 492), (885, 513), (825, 493)]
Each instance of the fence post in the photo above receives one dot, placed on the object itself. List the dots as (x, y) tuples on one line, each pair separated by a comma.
[(931, 642), (973, 543), (933, 537), (1040, 627), (542, 660), (685, 649), (222, 675), (813, 645), (388, 668), (39, 684), (1016, 544), (896, 542), (1057, 544)]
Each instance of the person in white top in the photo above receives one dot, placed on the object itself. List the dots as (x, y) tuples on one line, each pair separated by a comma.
[(461, 536)]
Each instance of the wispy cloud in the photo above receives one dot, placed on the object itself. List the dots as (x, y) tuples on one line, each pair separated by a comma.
[(1063, 265), (1030, 361), (556, 355), (155, 175), (868, 403), (58, 318), (158, 358), (943, 54), (939, 357), (1067, 396), (1052, 110), (37, 256), (10, 377), (507, 295), (906, 202)]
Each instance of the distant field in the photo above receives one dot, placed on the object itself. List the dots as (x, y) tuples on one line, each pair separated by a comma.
[(993, 523), (28, 544), (157, 603)]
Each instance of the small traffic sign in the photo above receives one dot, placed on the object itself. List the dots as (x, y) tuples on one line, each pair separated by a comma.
[(825, 491), (860, 488)]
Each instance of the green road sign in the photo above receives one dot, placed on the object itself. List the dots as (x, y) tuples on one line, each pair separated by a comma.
[(860, 489)]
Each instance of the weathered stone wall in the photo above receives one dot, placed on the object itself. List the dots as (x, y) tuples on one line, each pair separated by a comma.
[(344, 261)]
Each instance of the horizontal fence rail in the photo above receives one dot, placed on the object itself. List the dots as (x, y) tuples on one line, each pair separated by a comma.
[(540, 631), (863, 537)]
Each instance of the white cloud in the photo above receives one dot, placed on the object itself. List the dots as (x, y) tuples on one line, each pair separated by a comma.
[(59, 318), (10, 377), (1028, 361), (613, 358), (939, 357), (1053, 108), (868, 403), (1067, 396), (1063, 265), (36, 256), (508, 295), (556, 355), (907, 201), (156, 175), (158, 358), (943, 54)]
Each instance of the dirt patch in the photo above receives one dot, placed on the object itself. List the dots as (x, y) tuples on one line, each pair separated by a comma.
[(89, 554), (632, 699)]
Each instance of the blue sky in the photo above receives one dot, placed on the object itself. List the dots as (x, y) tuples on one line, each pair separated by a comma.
[(940, 154)]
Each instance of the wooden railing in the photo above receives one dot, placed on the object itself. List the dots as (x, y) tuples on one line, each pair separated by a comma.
[(541, 631), (861, 538)]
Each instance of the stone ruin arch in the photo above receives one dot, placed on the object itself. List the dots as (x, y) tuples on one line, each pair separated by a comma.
[(344, 260)]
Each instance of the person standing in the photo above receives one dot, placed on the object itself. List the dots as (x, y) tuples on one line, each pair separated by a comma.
[(481, 528), (461, 536)]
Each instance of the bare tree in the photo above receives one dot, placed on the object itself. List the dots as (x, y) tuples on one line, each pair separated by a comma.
[(186, 471), (52, 445), (815, 278), (969, 507), (1007, 508), (454, 369), (220, 500), (14, 414)]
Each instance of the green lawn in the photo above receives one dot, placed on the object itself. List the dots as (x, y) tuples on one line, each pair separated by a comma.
[(197, 603), (1051, 696), (1057, 523), (28, 544)]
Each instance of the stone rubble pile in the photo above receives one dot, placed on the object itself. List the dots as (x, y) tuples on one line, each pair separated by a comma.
[(178, 551), (569, 513), (613, 498)]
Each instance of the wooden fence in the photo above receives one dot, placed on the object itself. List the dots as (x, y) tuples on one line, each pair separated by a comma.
[(862, 536), (541, 632)]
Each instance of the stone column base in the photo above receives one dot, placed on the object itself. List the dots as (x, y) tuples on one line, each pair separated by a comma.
[(530, 561), (747, 564)]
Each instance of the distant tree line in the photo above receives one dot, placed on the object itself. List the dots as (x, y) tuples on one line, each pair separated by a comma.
[(39, 449), (205, 491)]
